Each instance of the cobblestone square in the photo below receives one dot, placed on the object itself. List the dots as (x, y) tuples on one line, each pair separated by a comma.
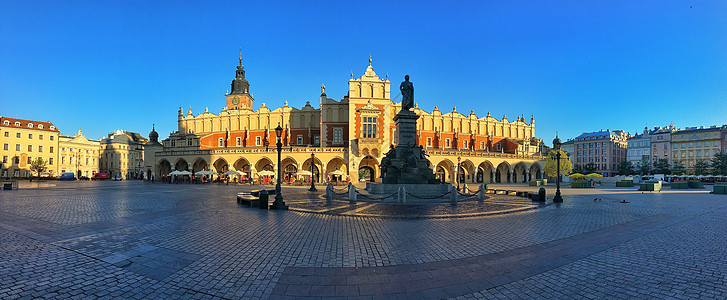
[(129, 239)]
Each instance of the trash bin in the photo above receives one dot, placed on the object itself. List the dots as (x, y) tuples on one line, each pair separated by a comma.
[(263, 199)]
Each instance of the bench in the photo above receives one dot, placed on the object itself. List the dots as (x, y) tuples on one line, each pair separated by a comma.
[(252, 198)]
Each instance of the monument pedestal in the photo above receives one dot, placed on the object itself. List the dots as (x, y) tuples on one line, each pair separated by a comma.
[(421, 190)]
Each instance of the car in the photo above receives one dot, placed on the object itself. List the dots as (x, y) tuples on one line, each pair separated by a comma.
[(83, 178), (117, 178), (67, 176), (100, 176)]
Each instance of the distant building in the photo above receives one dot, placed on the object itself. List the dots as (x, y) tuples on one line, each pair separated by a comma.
[(122, 154), (605, 149), (693, 144), (661, 143), (639, 149), (78, 155), (25, 140), (569, 147)]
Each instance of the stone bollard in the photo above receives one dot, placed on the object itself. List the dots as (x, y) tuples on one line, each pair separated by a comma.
[(541, 195), (453, 195), (401, 196), (351, 193), (329, 192), (481, 196), (263, 198)]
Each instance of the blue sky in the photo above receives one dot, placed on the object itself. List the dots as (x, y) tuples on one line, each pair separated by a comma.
[(576, 65)]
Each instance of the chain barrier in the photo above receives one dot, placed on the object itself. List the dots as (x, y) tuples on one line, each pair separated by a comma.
[(424, 197), (376, 198), (339, 193)]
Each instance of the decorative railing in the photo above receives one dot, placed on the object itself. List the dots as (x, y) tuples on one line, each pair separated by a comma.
[(253, 150), (480, 153)]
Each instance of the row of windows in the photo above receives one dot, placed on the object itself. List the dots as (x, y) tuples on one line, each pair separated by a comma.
[(30, 125), (30, 136), (592, 159), (698, 145), (70, 149), (6, 147), (465, 144), (684, 154), (591, 152), (16, 160), (70, 160)]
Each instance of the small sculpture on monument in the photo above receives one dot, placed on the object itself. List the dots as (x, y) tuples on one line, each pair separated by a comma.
[(407, 94)]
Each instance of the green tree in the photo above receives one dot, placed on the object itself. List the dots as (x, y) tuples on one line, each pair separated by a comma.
[(644, 167), (701, 167), (38, 165), (719, 164), (590, 168), (678, 168), (551, 167), (626, 168), (661, 166)]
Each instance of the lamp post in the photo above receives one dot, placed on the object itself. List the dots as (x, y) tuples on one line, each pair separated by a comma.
[(279, 204), (312, 182), (456, 173), (556, 145)]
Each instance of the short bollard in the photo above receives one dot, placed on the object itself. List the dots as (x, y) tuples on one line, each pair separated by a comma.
[(541, 195), (453, 195), (329, 192), (263, 199), (401, 195), (481, 196), (351, 193)]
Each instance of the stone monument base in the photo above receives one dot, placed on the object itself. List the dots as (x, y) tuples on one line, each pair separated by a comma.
[(423, 190)]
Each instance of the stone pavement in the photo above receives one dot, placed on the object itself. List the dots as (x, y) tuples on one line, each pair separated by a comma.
[(83, 240)]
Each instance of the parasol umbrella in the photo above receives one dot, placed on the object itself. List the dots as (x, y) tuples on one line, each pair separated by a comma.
[(175, 172), (576, 175), (265, 173), (336, 172), (303, 173), (594, 175)]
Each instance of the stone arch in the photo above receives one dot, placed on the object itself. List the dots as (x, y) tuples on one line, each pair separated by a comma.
[(375, 152), (316, 164), (163, 168), (242, 164), (520, 173), (371, 164), (536, 172), (444, 169), (484, 172), (502, 173), (334, 164), (365, 152), (199, 165), (290, 167), (467, 171), (181, 165), (264, 164), (221, 165)]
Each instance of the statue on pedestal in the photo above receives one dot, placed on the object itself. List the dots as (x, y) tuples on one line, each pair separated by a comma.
[(407, 93)]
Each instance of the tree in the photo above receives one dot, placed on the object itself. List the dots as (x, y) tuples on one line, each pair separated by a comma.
[(626, 168), (719, 164), (678, 168), (551, 167), (644, 168), (590, 168), (701, 167), (38, 165), (661, 166)]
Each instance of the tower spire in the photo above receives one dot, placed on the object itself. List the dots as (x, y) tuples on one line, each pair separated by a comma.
[(240, 56)]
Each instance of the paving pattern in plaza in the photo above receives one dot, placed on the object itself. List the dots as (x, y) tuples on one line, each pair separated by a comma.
[(140, 240)]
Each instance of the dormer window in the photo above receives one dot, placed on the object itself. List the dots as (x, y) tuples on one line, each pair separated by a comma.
[(6, 123), (40, 126), (30, 125), (52, 128), (17, 124)]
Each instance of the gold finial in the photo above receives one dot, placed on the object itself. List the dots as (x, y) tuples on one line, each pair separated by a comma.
[(387, 76), (370, 60), (241, 56), (351, 74)]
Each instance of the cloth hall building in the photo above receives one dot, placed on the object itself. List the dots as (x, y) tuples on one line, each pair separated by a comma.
[(348, 136)]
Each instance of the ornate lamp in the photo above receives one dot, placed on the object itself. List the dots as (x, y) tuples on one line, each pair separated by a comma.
[(556, 145), (279, 204), (312, 182)]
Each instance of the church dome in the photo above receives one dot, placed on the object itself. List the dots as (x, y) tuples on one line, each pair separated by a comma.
[(153, 135)]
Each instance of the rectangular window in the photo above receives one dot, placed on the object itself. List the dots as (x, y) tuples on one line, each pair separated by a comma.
[(40, 148), (699, 153), (40, 137), (30, 148), (257, 141), (63, 159), (464, 144), (238, 141), (446, 143), (715, 144), (51, 137), (338, 136), (189, 142), (5, 146), (317, 140), (30, 136), (699, 144), (300, 139), (50, 161), (369, 127), (482, 145), (579, 146), (5, 159), (17, 135), (30, 160), (7, 134), (51, 149), (429, 142)]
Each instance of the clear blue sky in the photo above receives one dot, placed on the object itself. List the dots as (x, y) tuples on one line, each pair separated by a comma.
[(576, 65)]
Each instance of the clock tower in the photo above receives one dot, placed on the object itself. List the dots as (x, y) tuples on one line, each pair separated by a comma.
[(239, 97)]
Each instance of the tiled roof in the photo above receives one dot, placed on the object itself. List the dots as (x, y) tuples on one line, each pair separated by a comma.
[(11, 122)]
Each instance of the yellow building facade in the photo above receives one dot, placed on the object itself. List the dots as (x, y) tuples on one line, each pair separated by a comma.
[(347, 136), (694, 144), (122, 154), (78, 155), (25, 140)]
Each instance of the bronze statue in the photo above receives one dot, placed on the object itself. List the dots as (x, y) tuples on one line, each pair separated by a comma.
[(407, 93)]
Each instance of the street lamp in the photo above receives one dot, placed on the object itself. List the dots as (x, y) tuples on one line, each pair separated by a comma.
[(556, 145), (312, 182), (279, 204), (456, 174)]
